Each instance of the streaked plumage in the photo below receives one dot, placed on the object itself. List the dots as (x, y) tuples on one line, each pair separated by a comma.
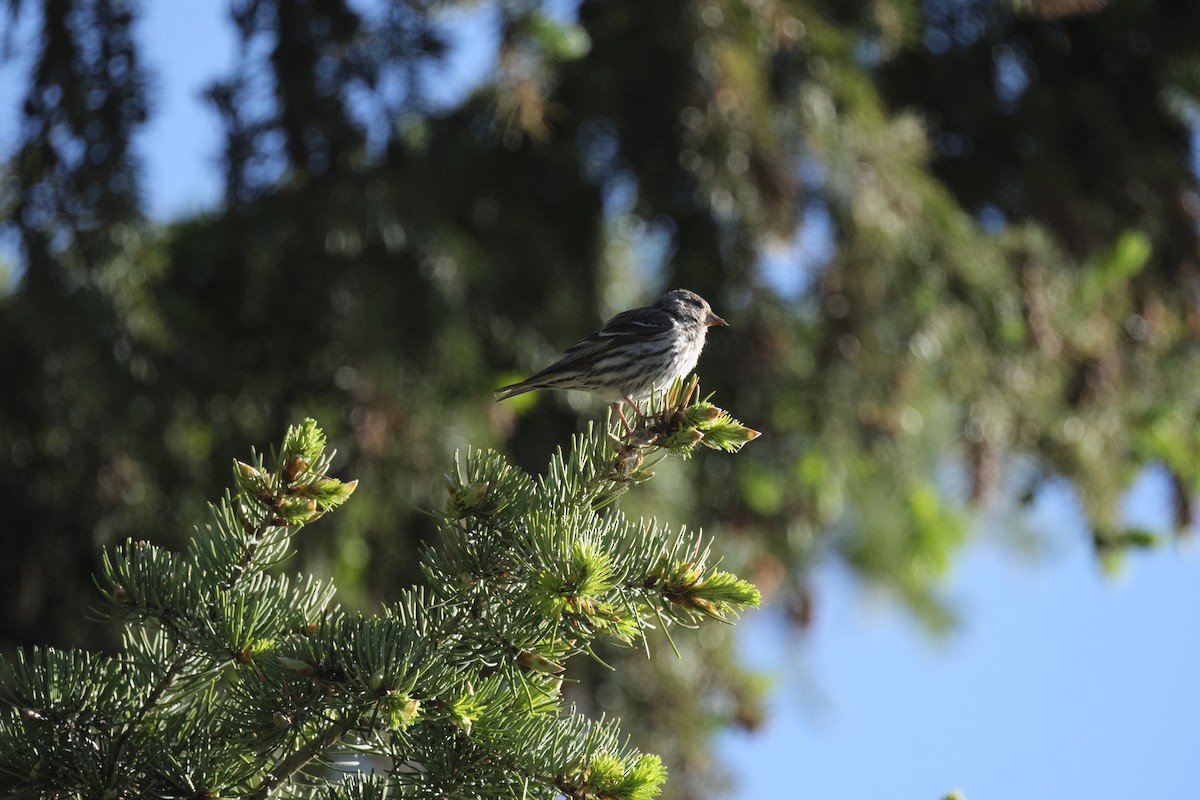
[(634, 351)]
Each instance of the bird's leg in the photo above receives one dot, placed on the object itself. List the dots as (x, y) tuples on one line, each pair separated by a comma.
[(621, 416), (640, 416)]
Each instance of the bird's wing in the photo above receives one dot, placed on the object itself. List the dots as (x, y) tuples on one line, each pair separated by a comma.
[(632, 325), (628, 326), (637, 323)]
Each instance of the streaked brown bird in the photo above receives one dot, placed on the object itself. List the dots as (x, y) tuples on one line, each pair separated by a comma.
[(632, 353)]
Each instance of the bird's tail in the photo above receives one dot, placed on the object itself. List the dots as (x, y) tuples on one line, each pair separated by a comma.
[(512, 390)]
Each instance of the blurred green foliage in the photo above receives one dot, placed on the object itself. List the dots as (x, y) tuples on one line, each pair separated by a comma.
[(1008, 293)]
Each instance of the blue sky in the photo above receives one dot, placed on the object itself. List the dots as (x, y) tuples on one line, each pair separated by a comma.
[(1059, 683)]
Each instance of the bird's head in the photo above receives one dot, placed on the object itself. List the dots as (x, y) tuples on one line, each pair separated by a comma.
[(688, 305)]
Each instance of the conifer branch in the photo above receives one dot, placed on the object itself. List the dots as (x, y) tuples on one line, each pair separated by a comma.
[(152, 697), (301, 758), (234, 679)]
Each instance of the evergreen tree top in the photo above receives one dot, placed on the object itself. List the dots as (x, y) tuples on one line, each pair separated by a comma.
[(235, 680)]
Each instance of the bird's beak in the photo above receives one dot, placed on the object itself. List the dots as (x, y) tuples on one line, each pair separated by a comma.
[(713, 319)]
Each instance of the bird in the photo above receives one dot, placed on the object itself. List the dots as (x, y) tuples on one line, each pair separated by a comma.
[(632, 353)]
